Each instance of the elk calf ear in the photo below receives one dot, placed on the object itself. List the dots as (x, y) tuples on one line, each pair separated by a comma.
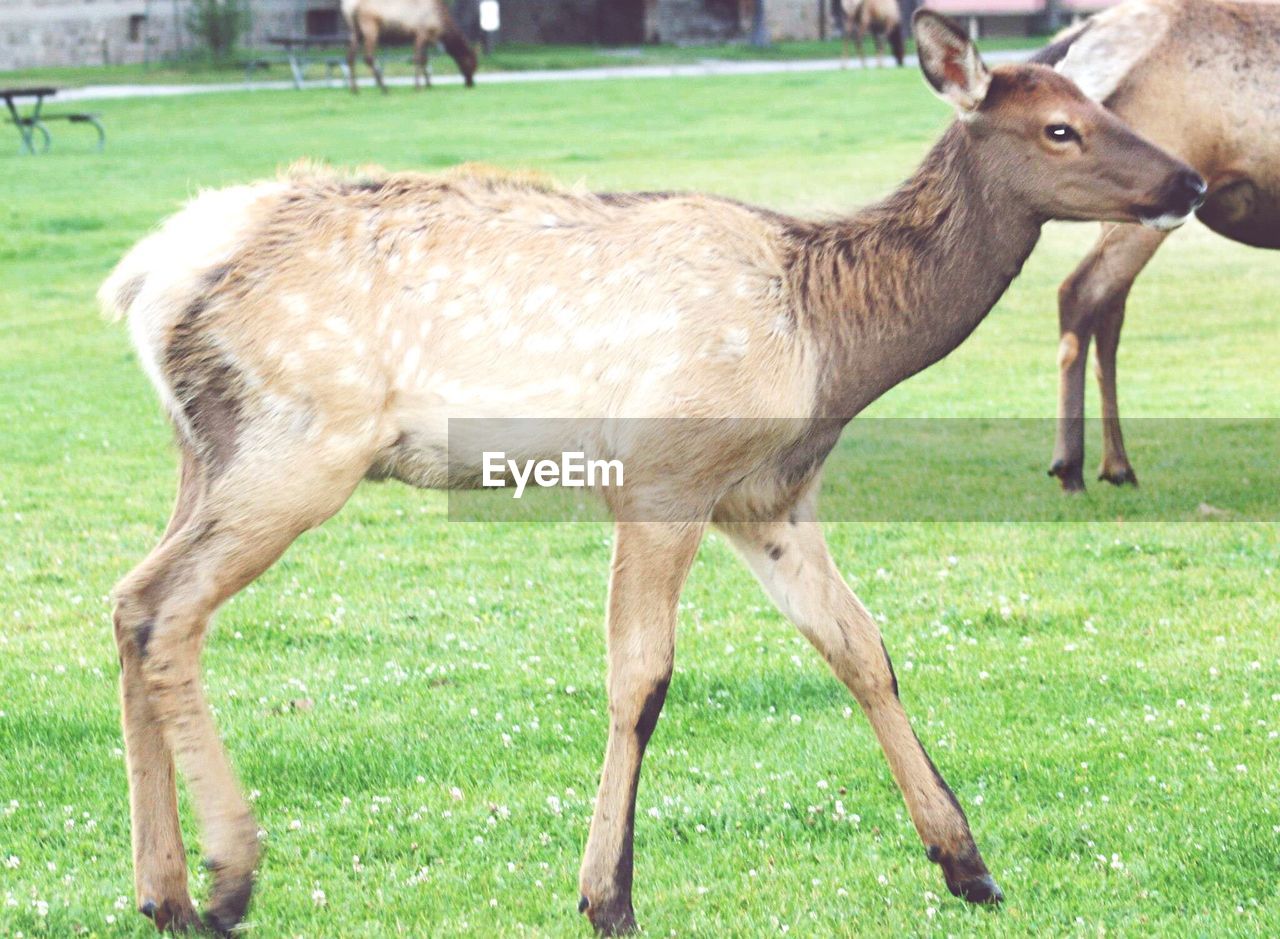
[(950, 61)]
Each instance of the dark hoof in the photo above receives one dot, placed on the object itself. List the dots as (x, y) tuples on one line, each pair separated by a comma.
[(1071, 476), (228, 902), (967, 877), (981, 890), (170, 915), (617, 919), (1121, 477)]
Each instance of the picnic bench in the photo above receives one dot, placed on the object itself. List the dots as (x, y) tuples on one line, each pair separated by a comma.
[(29, 125), (298, 52)]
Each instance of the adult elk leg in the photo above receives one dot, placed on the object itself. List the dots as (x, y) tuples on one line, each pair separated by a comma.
[(791, 560), (1093, 299), (353, 48), (369, 28), (650, 563), (420, 61), (234, 529)]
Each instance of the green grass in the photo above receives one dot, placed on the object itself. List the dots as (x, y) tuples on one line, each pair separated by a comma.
[(1101, 695), (508, 57)]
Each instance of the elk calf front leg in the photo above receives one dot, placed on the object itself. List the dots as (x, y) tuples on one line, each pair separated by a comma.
[(792, 562), (650, 562)]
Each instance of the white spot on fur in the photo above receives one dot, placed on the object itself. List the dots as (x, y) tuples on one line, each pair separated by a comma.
[(451, 310), (734, 343), (544, 343), (438, 272), (409, 365), (295, 305), (350, 375), (538, 297)]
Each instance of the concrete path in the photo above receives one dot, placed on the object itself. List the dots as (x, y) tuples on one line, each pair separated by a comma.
[(710, 67)]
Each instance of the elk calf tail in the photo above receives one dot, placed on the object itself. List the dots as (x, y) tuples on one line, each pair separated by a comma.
[(170, 273)]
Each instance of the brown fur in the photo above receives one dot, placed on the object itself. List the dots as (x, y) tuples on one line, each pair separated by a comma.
[(1208, 89), (310, 332)]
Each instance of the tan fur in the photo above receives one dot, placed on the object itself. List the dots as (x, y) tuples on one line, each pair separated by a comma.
[(326, 328), (1202, 79), (880, 18), (426, 21)]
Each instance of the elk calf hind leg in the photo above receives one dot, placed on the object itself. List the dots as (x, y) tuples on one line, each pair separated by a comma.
[(792, 562), (238, 527)]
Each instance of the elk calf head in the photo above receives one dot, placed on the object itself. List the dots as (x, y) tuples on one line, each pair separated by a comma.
[(1065, 155)]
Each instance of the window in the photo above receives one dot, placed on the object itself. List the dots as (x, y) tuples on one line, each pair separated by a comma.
[(322, 22), (137, 27)]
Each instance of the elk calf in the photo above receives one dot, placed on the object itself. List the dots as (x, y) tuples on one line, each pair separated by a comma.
[(308, 333)]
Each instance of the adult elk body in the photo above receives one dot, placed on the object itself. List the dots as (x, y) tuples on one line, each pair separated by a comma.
[(1202, 79), (308, 333), (426, 21), (882, 19)]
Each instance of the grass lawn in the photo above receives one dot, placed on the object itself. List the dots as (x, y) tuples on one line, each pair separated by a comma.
[(417, 705), (507, 57)]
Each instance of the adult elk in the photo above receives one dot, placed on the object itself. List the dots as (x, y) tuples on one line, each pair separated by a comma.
[(308, 333), (1202, 79), (882, 19), (427, 21)]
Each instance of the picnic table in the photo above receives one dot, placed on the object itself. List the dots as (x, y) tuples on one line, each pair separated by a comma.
[(298, 52), (30, 124)]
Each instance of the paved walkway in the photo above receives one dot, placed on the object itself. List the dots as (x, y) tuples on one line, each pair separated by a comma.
[(711, 67)]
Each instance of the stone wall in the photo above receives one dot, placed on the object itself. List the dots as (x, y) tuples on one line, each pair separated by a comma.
[(92, 32), (37, 33)]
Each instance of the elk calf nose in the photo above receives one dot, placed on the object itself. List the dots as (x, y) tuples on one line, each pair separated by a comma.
[(1181, 195), (1191, 186)]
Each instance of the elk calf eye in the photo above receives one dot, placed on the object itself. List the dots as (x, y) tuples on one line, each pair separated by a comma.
[(1061, 133)]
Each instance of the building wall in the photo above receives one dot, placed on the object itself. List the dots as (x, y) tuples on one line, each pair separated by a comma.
[(37, 33)]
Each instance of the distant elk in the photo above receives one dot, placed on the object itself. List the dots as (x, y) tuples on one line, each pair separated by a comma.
[(426, 21), (1202, 79), (311, 332), (882, 19)]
